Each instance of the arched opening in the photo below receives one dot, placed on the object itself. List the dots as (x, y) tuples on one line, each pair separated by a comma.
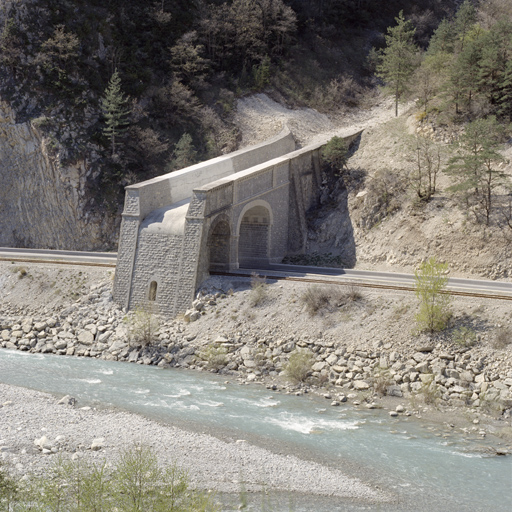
[(219, 246), (152, 291), (253, 245)]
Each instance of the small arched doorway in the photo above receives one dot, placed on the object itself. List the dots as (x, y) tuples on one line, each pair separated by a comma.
[(254, 240), (219, 245), (152, 291)]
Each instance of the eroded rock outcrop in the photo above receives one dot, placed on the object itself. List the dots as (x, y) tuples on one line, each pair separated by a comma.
[(43, 203)]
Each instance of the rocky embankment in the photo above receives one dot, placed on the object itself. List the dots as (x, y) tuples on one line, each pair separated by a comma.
[(435, 373)]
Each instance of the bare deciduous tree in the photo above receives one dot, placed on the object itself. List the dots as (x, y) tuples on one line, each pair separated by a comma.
[(428, 165)]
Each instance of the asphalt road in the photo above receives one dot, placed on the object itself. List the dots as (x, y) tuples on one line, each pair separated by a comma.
[(109, 259), (104, 259)]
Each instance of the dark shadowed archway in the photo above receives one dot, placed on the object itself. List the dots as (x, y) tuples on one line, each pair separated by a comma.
[(219, 245), (254, 239)]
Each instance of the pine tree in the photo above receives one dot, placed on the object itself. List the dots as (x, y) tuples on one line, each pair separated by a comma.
[(184, 152), (476, 167), (505, 101), (464, 20), (443, 39), (114, 106), (496, 54), (398, 59), (465, 74)]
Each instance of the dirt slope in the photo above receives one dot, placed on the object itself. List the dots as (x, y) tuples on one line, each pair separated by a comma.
[(392, 233)]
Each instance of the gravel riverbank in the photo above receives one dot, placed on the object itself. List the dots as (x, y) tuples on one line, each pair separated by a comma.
[(94, 435)]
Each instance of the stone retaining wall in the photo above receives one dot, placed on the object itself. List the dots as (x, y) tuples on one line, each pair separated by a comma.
[(96, 327)]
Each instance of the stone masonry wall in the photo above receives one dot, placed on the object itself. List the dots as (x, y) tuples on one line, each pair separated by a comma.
[(158, 259), (287, 186)]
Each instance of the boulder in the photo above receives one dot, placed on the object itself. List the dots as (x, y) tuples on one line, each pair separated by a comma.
[(466, 376), (40, 326), (361, 385), (319, 366), (43, 443), (134, 356), (67, 400), (422, 367), (104, 336), (117, 346), (394, 391), (331, 360), (92, 328), (98, 443), (61, 344), (85, 337)]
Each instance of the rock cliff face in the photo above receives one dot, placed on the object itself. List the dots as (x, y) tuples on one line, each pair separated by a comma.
[(44, 204)]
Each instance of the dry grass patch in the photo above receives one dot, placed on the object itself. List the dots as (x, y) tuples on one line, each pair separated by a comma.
[(321, 299), (502, 338)]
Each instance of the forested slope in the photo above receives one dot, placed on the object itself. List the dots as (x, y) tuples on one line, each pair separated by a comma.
[(115, 92)]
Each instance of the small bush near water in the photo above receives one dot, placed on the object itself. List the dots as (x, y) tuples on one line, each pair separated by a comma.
[(142, 326), (136, 483), (299, 365), (215, 357)]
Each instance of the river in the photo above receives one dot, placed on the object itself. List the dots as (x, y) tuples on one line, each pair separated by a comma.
[(425, 468)]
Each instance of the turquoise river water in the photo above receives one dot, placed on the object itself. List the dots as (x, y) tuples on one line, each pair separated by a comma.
[(425, 470)]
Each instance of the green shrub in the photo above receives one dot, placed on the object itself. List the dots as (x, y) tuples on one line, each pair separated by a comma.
[(431, 280), (353, 293), (142, 326), (335, 153), (261, 73), (136, 483), (464, 336), (215, 357), (430, 392), (319, 299), (8, 489), (381, 381), (299, 366), (316, 298)]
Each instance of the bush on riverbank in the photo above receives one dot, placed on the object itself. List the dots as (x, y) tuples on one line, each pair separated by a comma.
[(136, 483), (299, 366)]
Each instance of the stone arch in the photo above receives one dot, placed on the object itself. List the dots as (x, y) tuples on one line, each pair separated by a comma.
[(219, 244), (254, 226)]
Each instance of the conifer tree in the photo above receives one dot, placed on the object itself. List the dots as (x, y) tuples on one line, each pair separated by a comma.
[(443, 39), (184, 152), (505, 101), (464, 20), (398, 59), (476, 168), (114, 106)]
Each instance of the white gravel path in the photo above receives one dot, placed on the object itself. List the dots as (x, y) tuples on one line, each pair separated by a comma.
[(26, 415), (260, 118)]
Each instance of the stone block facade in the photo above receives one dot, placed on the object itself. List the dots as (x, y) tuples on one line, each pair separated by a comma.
[(215, 215)]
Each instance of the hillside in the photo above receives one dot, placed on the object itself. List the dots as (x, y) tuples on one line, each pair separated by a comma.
[(181, 68)]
